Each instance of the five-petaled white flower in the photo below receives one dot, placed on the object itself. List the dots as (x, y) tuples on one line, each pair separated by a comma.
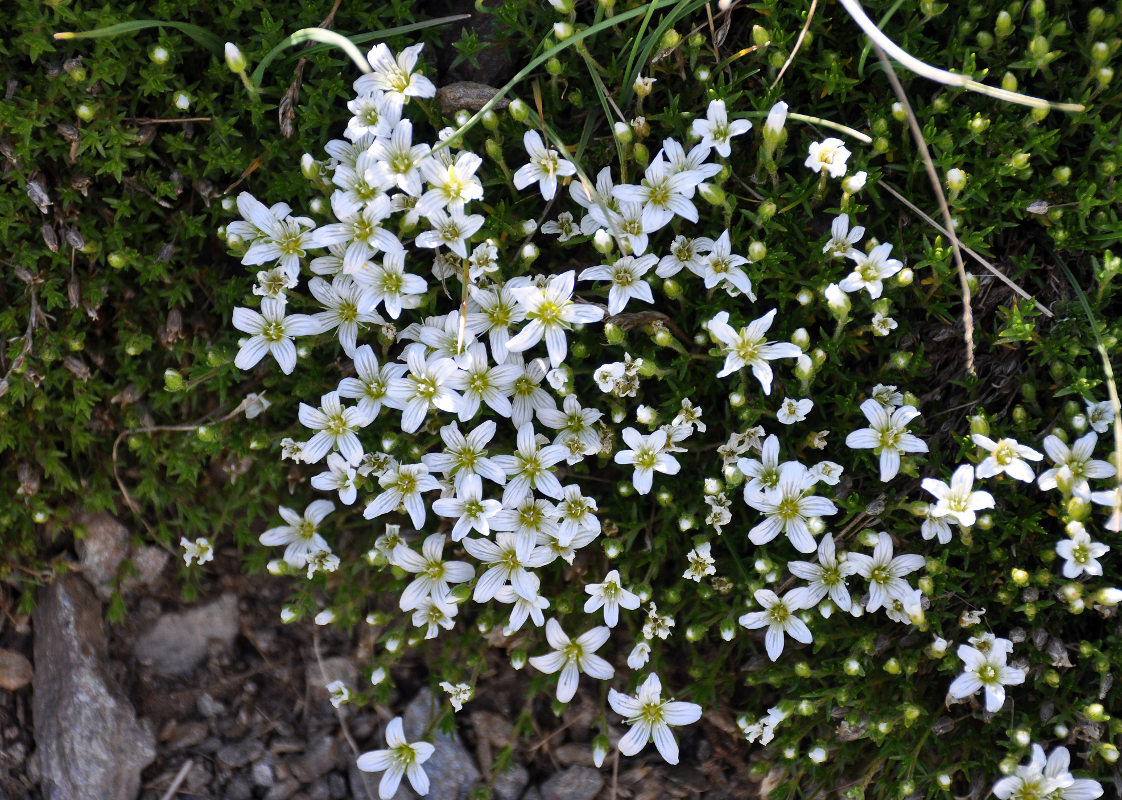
[(885, 573), (888, 437), (300, 534), (468, 508), (611, 596), (780, 618), (395, 76), (988, 671), (335, 429), (403, 485), (1049, 778), (1073, 465), (959, 500), (1005, 456), (648, 454), (716, 130), (572, 657), (1080, 553), (545, 167), (511, 558), (402, 758), (870, 270), (827, 156), (827, 577), (788, 507), (434, 574), (271, 332), (792, 411), (551, 312), (650, 717), (842, 237), (626, 275), (747, 347), (723, 265)]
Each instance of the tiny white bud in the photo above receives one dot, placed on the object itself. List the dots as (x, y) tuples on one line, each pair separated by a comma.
[(234, 58)]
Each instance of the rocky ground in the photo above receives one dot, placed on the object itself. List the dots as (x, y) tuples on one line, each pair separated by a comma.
[(218, 699)]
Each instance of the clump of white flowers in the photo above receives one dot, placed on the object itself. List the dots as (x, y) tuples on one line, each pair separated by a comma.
[(510, 442)]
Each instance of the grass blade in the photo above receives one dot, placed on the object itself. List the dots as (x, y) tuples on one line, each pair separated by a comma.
[(200, 35)]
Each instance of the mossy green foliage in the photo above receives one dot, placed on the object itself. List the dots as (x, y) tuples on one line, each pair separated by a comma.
[(146, 287)]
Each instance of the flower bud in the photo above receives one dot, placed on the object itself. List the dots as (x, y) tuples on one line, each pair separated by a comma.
[(854, 183), (288, 614), (530, 252), (712, 194), (622, 132), (760, 36), (1104, 76), (234, 58), (85, 112), (173, 380), (728, 629), (838, 301), (159, 55), (643, 86), (519, 110), (641, 154), (956, 179), (181, 100), (612, 548), (757, 251), (804, 297), (600, 747)]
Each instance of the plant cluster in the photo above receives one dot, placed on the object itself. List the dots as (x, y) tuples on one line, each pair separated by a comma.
[(674, 384)]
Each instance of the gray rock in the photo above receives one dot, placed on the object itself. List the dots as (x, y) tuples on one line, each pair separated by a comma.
[(176, 644), (317, 760), (90, 744), (149, 562), (509, 785), (263, 774), (238, 788), (238, 754), (101, 550), (575, 783), (451, 769), (532, 794), (15, 670)]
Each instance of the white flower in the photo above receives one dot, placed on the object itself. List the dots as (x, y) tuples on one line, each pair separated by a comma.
[(1113, 499), (576, 514), (827, 577), (545, 166), (274, 234), (564, 227), (647, 454), (397, 159), (763, 473), (451, 185), (724, 265), (611, 596), (1071, 788), (434, 574), (201, 551), (773, 126), (527, 397), (574, 421), (827, 156), (986, 671), (885, 573), (430, 383), (650, 717), (530, 468), (716, 130), (626, 276), (459, 693), (498, 310), (1100, 415), (359, 227), (958, 500), (391, 285), (882, 325), (764, 730), (339, 476), (887, 437), (747, 348), (395, 76), (788, 507), (842, 238), (639, 654), (402, 758), (663, 194), (685, 253), (573, 656), (551, 312), (792, 411), (695, 161), (335, 428), (871, 270), (451, 229), (855, 182), (523, 609), (468, 508), (934, 526), (1006, 456), (701, 561), (780, 618), (300, 534), (403, 484), (626, 224), (1074, 464), (271, 332), (338, 693), (510, 556), (347, 305), (373, 382), (1080, 554)]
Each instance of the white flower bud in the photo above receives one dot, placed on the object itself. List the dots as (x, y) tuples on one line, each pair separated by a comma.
[(159, 55), (234, 58), (852, 184), (182, 101), (956, 180)]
